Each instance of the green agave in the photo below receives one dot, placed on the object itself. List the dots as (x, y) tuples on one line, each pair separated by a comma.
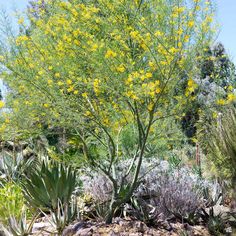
[(51, 183)]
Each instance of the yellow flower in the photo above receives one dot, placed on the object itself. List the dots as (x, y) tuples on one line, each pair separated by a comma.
[(230, 88), (180, 31), (221, 102), (198, 8), (150, 106), (151, 63), (134, 34), (77, 42), (84, 95), (148, 75), (94, 47), (2, 104), (50, 81), (70, 89), (76, 32), (21, 21), (46, 105), (106, 121), (231, 97), (57, 75), (215, 115), (7, 121), (110, 54), (21, 39), (69, 82), (40, 72), (163, 63), (209, 19), (120, 68), (173, 50), (190, 24), (190, 82), (158, 90), (96, 86), (87, 113), (186, 38), (158, 33), (180, 44)]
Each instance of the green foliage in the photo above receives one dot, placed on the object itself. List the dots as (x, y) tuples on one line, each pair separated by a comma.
[(175, 161), (129, 140), (20, 227), (13, 167), (11, 202), (218, 223), (217, 76), (65, 214), (221, 145), (48, 184)]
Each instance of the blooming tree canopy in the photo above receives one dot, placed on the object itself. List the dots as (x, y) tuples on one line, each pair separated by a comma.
[(98, 66)]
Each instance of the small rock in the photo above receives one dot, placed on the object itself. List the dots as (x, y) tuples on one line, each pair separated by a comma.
[(84, 232)]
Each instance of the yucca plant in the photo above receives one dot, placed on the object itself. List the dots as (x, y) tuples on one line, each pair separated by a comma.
[(51, 183)]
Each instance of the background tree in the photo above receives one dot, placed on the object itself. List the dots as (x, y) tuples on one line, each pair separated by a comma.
[(216, 79)]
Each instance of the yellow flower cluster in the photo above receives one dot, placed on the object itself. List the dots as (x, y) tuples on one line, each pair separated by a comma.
[(86, 59), (191, 87)]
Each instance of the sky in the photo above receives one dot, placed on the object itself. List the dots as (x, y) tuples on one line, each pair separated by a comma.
[(226, 16)]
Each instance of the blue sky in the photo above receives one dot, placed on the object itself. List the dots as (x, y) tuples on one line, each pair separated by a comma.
[(226, 16)]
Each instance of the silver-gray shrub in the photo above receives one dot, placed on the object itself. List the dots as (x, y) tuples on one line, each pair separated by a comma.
[(162, 189), (170, 192)]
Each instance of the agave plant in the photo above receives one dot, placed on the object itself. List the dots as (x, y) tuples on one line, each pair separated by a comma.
[(20, 227), (13, 167), (51, 183), (65, 214)]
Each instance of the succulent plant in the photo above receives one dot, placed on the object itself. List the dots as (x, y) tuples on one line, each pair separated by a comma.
[(13, 167), (20, 227), (52, 182), (65, 214)]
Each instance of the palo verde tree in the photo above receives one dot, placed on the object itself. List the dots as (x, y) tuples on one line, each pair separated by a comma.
[(98, 67)]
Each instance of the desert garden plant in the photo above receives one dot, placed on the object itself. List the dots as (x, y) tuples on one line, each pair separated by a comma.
[(20, 227), (49, 184), (102, 67), (177, 193), (63, 215), (14, 167), (220, 145), (11, 202)]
